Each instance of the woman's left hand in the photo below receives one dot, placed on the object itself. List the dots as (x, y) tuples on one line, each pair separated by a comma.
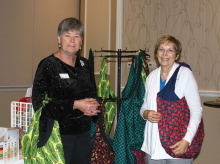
[(89, 106), (180, 147)]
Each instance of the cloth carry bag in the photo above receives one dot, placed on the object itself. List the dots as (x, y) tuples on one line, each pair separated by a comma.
[(175, 119), (51, 152), (129, 131), (105, 92), (102, 151)]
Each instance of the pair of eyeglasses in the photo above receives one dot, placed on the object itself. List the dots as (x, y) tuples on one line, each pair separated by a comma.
[(169, 51)]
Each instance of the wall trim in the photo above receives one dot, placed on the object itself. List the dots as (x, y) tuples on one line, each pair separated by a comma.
[(119, 34), (215, 94), (14, 88), (85, 30), (109, 33)]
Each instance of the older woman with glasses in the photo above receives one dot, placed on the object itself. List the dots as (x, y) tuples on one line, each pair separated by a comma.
[(171, 108)]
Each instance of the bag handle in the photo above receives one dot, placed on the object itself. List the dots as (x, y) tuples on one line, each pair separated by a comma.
[(138, 67)]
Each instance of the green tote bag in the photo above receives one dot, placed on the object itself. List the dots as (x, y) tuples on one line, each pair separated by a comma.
[(51, 152), (104, 91), (130, 126)]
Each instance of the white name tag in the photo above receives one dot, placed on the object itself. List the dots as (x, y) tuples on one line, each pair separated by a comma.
[(64, 76)]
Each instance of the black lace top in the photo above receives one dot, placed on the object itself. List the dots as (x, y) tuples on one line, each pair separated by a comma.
[(63, 84)]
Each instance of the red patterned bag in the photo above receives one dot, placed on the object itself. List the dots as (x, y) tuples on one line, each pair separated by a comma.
[(175, 119), (102, 151)]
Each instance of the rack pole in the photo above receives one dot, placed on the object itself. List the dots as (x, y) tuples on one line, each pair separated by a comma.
[(119, 82)]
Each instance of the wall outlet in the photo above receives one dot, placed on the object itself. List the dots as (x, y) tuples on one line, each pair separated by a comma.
[(129, 65), (152, 66)]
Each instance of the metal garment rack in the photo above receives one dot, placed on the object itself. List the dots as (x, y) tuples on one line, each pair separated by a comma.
[(119, 56)]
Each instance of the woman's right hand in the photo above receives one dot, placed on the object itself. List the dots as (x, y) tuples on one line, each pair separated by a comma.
[(152, 116), (88, 106)]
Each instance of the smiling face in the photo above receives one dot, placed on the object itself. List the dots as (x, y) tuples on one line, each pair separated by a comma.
[(166, 55), (70, 42)]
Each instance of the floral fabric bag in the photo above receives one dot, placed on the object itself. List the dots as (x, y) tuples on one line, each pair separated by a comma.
[(175, 120), (102, 151)]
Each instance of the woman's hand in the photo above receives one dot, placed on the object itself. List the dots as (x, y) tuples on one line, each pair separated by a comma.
[(180, 147), (88, 106), (152, 116)]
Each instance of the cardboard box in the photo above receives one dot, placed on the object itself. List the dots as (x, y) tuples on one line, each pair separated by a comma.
[(9, 145)]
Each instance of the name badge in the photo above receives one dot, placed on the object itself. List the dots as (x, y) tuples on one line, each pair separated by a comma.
[(64, 76)]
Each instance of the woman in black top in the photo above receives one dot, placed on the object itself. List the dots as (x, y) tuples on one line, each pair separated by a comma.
[(66, 78)]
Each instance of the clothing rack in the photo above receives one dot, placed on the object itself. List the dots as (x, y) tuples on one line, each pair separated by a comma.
[(119, 56)]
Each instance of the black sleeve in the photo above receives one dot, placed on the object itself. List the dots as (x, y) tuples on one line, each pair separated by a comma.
[(89, 65)]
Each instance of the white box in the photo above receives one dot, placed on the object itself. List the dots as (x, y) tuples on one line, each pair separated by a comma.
[(9, 147)]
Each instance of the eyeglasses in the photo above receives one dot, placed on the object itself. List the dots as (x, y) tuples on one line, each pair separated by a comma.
[(169, 51)]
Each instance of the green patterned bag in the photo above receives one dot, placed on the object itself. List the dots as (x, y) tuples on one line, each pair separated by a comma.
[(51, 153), (104, 90), (129, 132)]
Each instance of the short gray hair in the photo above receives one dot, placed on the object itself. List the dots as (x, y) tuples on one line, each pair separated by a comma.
[(72, 24)]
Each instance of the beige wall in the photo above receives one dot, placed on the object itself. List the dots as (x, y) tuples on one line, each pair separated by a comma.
[(28, 34), (195, 23), (99, 18), (5, 110)]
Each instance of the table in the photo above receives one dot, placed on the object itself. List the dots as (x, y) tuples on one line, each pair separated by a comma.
[(211, 104)]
